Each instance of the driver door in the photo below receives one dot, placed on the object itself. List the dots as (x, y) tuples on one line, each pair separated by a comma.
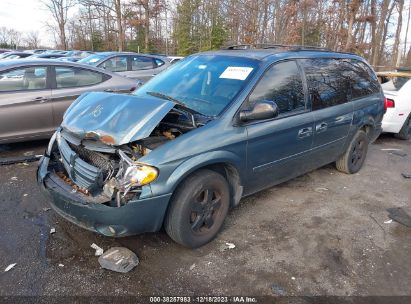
[(278, 148)]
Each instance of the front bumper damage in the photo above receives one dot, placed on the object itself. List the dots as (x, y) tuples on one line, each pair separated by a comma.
[(143, 214)]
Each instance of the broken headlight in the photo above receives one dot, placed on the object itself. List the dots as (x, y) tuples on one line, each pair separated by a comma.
[(138, 175)]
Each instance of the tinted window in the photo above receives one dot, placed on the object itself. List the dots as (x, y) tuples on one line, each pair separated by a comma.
[(204, 83), (141, 63), (363, 80), (93, 59), (115, 64), (328, 84), (159, 62), (73, 77), (30, 78), (282, 84)]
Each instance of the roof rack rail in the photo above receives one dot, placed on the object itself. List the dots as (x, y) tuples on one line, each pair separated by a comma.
[(277, 46)]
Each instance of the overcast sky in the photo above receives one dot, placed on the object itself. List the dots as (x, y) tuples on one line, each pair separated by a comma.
[(26, 16)]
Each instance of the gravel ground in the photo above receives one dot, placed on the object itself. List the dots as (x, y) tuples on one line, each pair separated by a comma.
[(320, 234)]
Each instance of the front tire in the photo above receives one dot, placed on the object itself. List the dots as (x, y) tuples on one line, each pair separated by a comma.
[(405, 132), (353, 159), (198, 209)]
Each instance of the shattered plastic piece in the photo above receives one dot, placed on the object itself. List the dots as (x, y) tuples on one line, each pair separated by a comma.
[(230, 245), (321, 189), (46, 209), (406, 175), (10, 267), (99, 250), (52, 230), (388, 222), (61, 265), (399, 215), (25, 194), (192, 266), (293, 278), (118, 259), (28, 153), (14, 178)]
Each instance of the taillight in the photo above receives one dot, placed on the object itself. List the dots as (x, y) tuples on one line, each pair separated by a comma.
[(388, 103)]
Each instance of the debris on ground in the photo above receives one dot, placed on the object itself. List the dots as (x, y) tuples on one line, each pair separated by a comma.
[(406, 175), (388, 222), (278, 290), (227, 246), (192, 266), (19, 159), (399, 215), (398, 153), (10, 267), (61, 265), (321, 189), (119, 259), (391, 149), (99, 250), (52, 230), (293, 278), (46, 209), (14, 178), (28, 153), (25, 194)]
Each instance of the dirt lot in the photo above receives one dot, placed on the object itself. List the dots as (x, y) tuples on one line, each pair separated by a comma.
[(320, 234)]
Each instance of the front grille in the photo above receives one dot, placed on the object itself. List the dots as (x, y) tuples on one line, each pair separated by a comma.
[(80, 172), (94, 158)]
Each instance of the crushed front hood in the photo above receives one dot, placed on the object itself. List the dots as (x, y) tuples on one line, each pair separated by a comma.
[(115, 119)]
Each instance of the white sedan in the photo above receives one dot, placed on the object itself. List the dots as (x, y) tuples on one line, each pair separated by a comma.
[(397, 91)]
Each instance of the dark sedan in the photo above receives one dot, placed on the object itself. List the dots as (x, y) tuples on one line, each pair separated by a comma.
[(34, 94)]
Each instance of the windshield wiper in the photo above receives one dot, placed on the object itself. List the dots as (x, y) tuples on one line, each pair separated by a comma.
[(189, 111)]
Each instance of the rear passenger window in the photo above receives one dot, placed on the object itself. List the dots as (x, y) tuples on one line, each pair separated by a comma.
[(141, 63), (29, 78), (327, 84), (73, 77), (282, 84), (115, 64), (363, 80)]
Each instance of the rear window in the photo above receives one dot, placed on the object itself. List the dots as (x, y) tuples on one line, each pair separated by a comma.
[(363, 80), (395, 83)]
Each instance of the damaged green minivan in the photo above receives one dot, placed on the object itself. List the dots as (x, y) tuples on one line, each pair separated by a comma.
[(211, 129)]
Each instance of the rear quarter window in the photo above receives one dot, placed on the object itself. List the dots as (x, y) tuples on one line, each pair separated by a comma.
[(363, 80)]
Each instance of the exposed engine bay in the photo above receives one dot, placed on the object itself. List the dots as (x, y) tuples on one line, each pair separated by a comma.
[(111, 174)]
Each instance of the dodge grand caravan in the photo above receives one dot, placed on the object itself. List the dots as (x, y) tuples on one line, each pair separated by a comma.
[(213, 128)]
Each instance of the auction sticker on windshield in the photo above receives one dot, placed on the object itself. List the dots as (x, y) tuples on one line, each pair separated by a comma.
[(239, 73)]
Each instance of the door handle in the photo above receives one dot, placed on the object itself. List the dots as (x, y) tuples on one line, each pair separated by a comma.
[(40, 99), (321, 127), (305, 132)]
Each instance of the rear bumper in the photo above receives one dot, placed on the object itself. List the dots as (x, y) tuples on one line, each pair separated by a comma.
[(139, 216), (393, 120)]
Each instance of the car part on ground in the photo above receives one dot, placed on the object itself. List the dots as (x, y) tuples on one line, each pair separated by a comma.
[(204, 133)]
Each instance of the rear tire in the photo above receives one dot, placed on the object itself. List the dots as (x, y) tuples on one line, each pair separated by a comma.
[(198, 209), (405, 132), (353, 159)]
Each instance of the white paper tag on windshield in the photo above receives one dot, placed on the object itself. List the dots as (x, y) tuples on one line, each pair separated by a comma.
[(240, 73)]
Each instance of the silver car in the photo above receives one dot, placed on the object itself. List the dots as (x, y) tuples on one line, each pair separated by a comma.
[(132, 65), (34, 94)]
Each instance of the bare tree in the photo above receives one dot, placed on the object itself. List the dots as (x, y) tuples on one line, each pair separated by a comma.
[(59, 10), (32, 39)]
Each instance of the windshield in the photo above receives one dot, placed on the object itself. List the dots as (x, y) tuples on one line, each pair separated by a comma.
[(92, 59), (204, 83), (394, 83)]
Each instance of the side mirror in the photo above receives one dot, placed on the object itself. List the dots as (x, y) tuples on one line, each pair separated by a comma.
[(262, 110), (139, 83)]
